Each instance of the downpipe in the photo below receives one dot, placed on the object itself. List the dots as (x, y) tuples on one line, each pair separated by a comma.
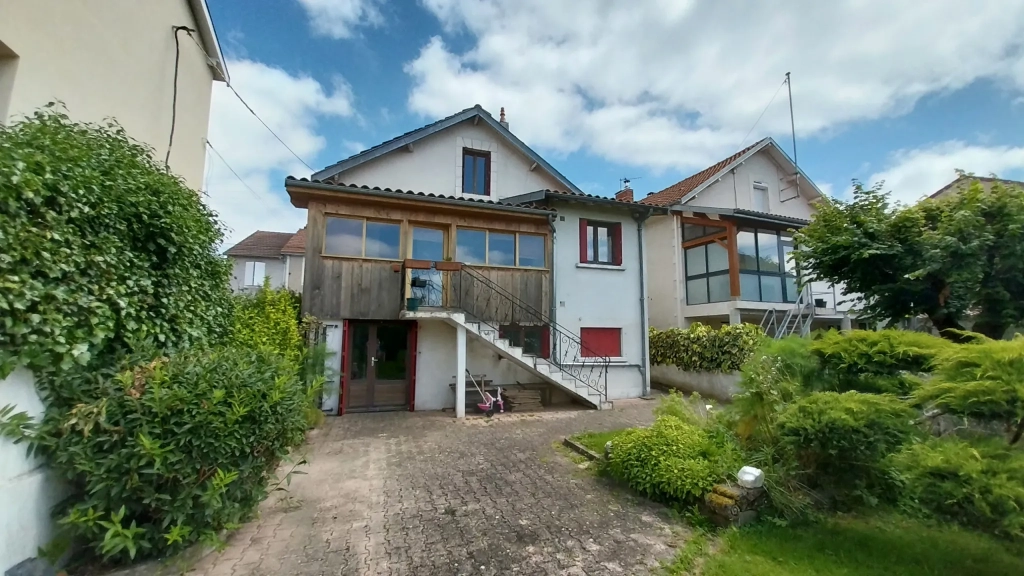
[(640, 218)]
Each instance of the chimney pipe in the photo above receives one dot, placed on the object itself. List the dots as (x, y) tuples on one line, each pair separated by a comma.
[(501, 119)]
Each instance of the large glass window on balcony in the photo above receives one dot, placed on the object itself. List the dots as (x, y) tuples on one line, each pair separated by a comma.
[(767, 270), (707, 273)]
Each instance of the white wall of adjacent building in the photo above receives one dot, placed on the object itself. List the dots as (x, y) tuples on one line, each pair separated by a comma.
[(594, 296), (435, 165), (273, 267), (110, 59), (736, 189), (28, 489)]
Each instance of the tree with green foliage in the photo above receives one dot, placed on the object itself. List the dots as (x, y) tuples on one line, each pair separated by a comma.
[(102, 248), (268, 319), (945, 259)]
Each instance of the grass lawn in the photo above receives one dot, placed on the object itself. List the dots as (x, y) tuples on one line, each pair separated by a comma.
[(862, 546), (595, 441)]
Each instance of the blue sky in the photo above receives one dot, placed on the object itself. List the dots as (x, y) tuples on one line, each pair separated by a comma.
[(607, 89)]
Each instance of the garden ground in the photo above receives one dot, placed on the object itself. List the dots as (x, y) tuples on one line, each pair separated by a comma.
[(424, 493)]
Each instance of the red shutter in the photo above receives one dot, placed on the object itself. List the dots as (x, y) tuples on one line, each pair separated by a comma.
[(601, 342), (617, 244), (583, 240), (545, 342)]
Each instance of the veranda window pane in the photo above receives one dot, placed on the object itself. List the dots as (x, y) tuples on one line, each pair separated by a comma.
[(531, 250), (344, 237), (745, 245), (750, 288), (695, 263), (691, 231), (718, 288), (382, 240), (427, 244), (697, 291), (718, 257), (501, 250), (791, 293), (471, 246), (771, 288), (768, 251)]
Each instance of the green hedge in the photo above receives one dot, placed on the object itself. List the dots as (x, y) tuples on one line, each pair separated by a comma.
[(168, 452), (268, 319), (841, 440), (881, 362), (672, 461), (102, 248), (701, 348), (979, 484)]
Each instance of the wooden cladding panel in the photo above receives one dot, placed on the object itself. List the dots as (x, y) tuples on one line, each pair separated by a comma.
[(364, 289), (531, 287)]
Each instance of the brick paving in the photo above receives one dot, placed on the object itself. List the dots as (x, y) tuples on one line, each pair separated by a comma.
[(425, 494)]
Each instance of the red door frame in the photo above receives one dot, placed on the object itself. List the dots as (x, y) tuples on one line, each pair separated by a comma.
[(346, 357)]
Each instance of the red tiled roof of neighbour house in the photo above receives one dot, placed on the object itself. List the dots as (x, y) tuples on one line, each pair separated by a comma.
[(677, 191), (261, 244), (965, 180), (297, 244)]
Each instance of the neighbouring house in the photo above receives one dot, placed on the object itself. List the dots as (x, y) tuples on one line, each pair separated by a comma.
[(723, 251), (119, 60), (279, 256), (963, 181), (108, 59), (455, 257)]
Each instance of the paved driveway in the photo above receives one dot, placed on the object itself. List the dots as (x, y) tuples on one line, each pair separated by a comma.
[(424, 494)]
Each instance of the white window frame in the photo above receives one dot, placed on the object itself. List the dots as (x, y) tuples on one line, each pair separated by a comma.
[(252, 267), (759, 187)]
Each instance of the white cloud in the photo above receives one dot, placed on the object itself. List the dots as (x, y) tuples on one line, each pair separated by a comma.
[(913, 174), (677, 83), (340, 18), (291, 105)]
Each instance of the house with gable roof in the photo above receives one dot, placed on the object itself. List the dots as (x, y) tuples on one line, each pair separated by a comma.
[(723, 250), (454, 259)]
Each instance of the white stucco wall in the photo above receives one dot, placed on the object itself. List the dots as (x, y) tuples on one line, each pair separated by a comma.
[(601, 297), (435, 366), (274, 269), (28, 490), (435, 165), (736, 189), (664, 289), (113, 58)]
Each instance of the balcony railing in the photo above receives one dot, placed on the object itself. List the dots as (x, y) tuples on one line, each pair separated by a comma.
[(458, 287)]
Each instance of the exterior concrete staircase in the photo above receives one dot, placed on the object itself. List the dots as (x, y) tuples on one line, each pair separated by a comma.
[(548, 372)]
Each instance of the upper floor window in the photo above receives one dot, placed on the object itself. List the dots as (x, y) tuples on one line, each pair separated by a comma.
[(600, 242), (255, 272), (495, 248), (362, 238), (767, 270), (759, 199), (476, 172)]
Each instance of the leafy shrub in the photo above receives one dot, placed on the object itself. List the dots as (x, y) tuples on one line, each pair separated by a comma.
[(979, 484), (267, 319), (771, 379), (875, 362), (983, 380), (701, 348), (841, 440), (102, 247), (672, 461), (692, 410), (168, 452)]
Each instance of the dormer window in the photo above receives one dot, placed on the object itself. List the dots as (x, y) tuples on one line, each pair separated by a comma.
[(476, 172)]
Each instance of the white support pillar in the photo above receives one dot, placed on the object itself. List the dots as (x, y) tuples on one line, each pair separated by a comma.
[(734, 317), (846, 323), (460, 375)]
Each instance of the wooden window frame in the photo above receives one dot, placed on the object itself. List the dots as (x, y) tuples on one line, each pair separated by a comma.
[(615, 242), (474, 153), (364, 220), (487, 247), (589, 352), (445, 229)]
